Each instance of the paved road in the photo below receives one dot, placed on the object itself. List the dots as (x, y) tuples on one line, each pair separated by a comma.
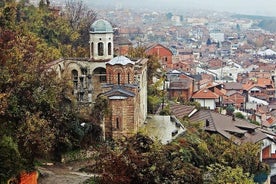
[(61, 174)]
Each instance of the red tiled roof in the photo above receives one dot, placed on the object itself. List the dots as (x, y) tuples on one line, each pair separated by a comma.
[(220, 92), (205, 93), (263, 82), (248, 86)]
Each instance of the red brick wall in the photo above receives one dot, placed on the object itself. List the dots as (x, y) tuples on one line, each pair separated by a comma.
[(237, 98), (185, 93), (162, 53), (124, 111), (122, 119), (266, 153), (112, 74)]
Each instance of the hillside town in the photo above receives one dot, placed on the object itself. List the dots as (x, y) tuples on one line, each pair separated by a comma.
[(219, 61), (216, 73), (216, 60)]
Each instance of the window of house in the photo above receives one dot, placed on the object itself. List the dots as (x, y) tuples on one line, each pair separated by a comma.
[(109, 48), (128, 78), (100, 49)]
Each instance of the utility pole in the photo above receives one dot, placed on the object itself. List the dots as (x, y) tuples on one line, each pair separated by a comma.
[(164, 82)]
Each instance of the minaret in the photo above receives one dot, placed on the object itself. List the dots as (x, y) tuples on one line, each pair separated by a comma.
[(101, 41)]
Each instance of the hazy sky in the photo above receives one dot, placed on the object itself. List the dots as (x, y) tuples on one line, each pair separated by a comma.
[(256, 7)]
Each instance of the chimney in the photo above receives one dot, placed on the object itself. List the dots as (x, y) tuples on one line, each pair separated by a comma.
[(233, 117)]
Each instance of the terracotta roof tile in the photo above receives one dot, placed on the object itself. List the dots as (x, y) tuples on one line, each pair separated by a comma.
[(264, 82), (205, 94), (248, 86)]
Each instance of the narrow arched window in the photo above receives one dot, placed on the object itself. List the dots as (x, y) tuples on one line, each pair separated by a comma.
[(128, 78), (100, 49), (75, 78), (109, 48), (117, 123), (92, 48), (109, 78), (119, 78)]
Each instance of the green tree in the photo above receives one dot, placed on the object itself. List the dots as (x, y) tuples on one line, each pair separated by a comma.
[(239, 115), (230, 110), (80, 19), (238, 27), (152, 64), (34, 97), (140, 160), (169, 16), (220, 174), (209, 42), (11, 162)]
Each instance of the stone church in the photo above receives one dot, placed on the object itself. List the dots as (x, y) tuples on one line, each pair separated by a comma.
[(121, 80)]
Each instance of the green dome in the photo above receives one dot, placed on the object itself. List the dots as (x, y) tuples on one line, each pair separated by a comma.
[(101, 26)]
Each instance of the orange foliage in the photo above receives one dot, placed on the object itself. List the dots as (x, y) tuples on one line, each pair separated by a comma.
[(29, 178)]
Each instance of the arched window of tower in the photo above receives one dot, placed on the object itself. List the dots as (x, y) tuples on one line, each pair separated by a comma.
[(100, 49), (74, 75), (109, 48), (92, 48)]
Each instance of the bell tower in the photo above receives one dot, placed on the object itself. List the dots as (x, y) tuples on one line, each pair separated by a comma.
[(101, 41)]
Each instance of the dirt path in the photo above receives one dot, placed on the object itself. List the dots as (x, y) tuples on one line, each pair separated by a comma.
[(62, 174)]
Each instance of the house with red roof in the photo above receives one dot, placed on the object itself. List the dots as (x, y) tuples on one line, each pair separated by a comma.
[(206, 98), (181, 86), (234, 98), (261, 88)]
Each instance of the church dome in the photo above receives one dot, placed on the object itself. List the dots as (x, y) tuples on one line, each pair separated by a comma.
[(120, 60), (101, 26)]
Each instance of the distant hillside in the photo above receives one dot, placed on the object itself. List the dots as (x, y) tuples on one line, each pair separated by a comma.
[(269, 25), (266, 23), (253, 17)]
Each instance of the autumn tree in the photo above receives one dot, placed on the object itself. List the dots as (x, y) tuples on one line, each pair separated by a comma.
[(11, 163), (139, 159), (36, 108), (152, 64), (80, 19), (220, 174)]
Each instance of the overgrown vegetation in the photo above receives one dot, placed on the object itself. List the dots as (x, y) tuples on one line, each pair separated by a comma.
[(196, 157), (38, 116)]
